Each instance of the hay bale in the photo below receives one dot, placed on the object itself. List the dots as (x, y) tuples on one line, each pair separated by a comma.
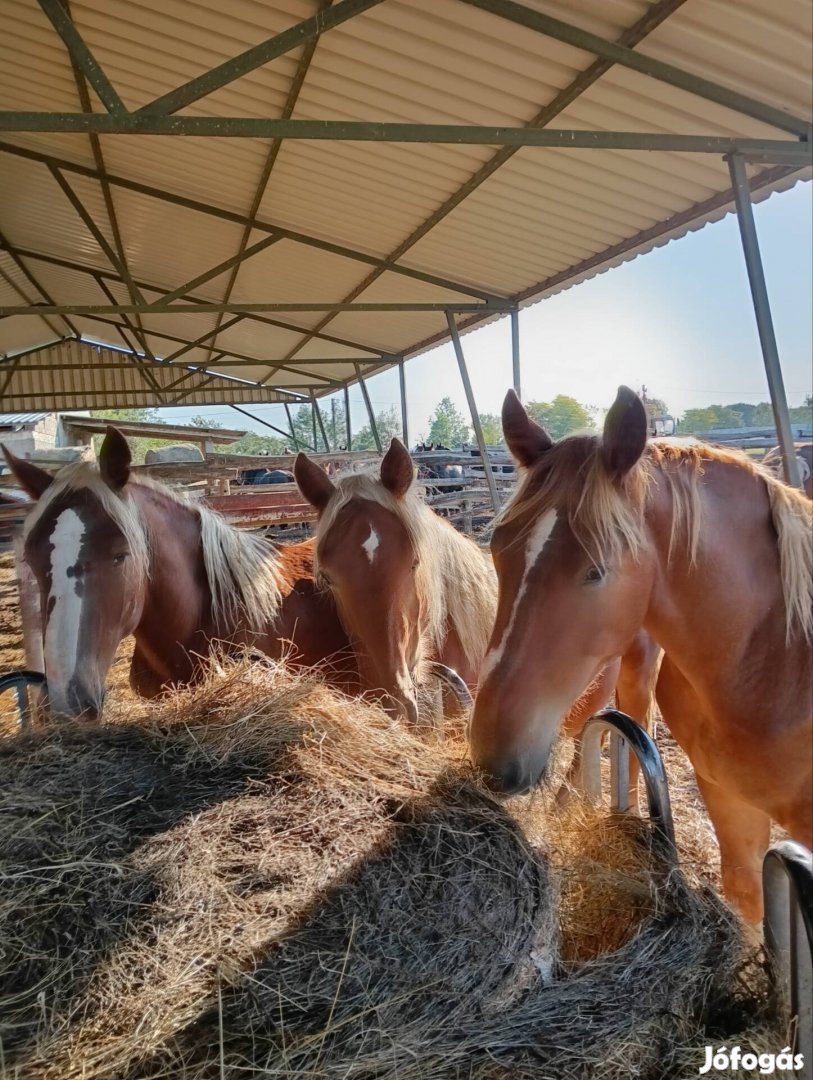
[(263, 875)]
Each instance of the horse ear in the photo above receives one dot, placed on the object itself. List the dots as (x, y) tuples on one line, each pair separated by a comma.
[(625, 433), (115, 459), (397, 469), (33, 480), (526, 439), (313, 481)]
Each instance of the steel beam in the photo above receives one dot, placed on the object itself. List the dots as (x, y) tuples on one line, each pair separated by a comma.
[(348, 423), (82, 57), (297, 444), (515, 365), (249, 127), (16, 258), (221, 267), (475, 416), (198, 308), (317, 412), (256, 57), (259, 420), (174, 199), (67, 264), (654, 17), (404, 410), (12, 284), (762, 311), (645, 237), (268, 165), (370, 413), (200, 340), (645, 65)]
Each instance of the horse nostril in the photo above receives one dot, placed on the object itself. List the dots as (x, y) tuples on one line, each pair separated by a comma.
[(510, 777)]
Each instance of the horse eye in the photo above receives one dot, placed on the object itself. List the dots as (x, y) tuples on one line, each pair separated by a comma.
[(415, 565), (119, 559), (594, 574)]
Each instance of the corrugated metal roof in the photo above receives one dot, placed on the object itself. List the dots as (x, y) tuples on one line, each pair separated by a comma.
[(21, 419), (534, 221)]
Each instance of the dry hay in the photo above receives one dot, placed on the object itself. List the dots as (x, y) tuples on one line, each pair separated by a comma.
[(262, 878)]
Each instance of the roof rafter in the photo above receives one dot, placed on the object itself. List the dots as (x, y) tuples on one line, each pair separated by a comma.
[(654, 17), (67, 165), (67, 264), (255, 57), (621, 54), (81, 56), (268, 165)]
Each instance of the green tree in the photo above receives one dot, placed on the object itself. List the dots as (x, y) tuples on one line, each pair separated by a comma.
[(492, 429), (802, 414), (563, 415), (448, 425), (205, 422), (698, 420), (253, 443), (387, 422), (138, 446)]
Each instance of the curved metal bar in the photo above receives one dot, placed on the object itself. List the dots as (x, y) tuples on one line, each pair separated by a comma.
[(626, 736), (787, 887), (20, 681), (455, 683)]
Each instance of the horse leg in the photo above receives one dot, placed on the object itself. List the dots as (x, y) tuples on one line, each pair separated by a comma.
[(635, 695), (743, 833)]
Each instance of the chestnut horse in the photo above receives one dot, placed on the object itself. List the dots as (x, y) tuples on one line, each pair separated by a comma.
[(407, 585), (114, 555), (709, 553)]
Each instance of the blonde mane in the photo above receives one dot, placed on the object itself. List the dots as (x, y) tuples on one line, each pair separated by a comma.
[(455, 579), (242, 570), (607, 519)]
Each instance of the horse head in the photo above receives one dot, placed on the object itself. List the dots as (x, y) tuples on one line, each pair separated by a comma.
[(570, 598), (88, 552), (366, 555)]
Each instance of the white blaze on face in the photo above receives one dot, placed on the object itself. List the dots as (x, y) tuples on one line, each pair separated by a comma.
[(370, 545), (533, 551), (63, 611)]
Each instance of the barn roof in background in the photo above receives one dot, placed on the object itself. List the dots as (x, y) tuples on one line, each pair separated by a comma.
[(266, 200)]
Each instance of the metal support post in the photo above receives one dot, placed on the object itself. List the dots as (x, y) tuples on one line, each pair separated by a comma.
[(762, 310), (291, 426), (317, 412), (313, 423), (515, 353), (475, 416), (348, 423), (404, 415), (370, 415)]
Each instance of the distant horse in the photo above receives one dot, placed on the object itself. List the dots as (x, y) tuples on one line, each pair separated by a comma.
[(408, 587), (114, 555), (710, 554), (804, 456)]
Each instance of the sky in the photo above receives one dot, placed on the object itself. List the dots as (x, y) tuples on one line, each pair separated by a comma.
[(678, 320)]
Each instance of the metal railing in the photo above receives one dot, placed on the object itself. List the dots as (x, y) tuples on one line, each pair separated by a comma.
[(627, 737), (20, 682), (787, 885)]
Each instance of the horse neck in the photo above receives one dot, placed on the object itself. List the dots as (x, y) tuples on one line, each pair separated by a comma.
[(176, 616), (709, 611)]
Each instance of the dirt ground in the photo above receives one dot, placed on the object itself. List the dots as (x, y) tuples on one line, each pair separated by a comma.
[(694, 834)]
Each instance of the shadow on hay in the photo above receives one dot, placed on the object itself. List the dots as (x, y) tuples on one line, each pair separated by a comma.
[(437, 956), (74, 805)]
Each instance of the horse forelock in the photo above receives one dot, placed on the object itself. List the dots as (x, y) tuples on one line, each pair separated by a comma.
[(242, 570), (607, 518), (455, 581), (84, 476)]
